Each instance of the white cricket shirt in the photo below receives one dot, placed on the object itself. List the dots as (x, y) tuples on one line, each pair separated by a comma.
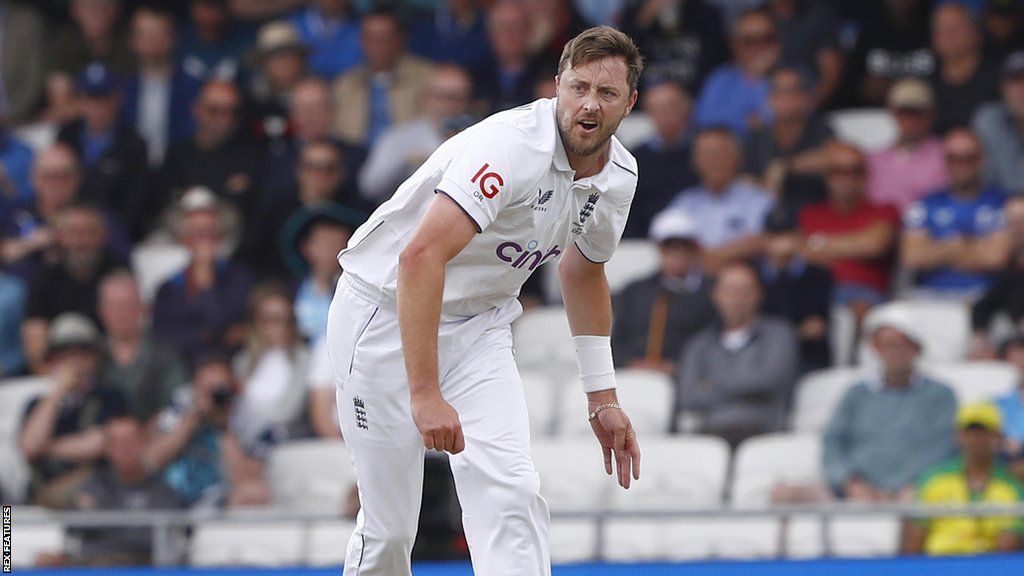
[(510, 174)]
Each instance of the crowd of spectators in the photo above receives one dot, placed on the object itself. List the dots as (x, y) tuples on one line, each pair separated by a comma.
[(256, 135)]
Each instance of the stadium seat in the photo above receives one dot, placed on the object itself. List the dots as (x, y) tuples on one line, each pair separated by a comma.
[(629, 540), (633, 260), (975, 381), (871, 129), (635, 129), (15, 394), (572, 540), (646, 395), (818, 394), (543, 397), (310, 475), (842, 335), (849, 536), (153, 264), (328, 541), (945, 326), (678, 472), (30, 540), (543, 341), (247, 543), (571, 473), (763, 462)]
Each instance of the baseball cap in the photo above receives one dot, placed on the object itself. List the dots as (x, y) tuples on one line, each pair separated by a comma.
[(1013, 65), (780, 220), (72, 330), (982, 415), (673, 224), (910, 93), (277, 37), (97, 79), (198, 199), (898, 318)]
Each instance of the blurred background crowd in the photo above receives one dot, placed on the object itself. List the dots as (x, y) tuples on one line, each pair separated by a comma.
[(177, 178)]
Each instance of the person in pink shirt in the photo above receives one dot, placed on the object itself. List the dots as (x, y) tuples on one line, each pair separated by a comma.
[(914, 166)]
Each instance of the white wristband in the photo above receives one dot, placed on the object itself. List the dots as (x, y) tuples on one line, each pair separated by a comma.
[(594, 358)]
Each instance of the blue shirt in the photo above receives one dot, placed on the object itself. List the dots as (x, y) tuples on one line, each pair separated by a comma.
[(311, 308), (442, 38), (95, 145), (16, 158), (944, 216), (726, 216), (1011, 407), (12, 311), (730, 98), (334, 44)]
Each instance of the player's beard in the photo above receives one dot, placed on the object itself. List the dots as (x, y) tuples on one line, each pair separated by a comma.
[(581, 144)]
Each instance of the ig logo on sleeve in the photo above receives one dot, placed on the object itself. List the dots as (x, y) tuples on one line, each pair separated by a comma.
[(483, 180)]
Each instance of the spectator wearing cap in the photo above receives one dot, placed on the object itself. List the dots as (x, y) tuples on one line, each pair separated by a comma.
[(963, 80), (158, 97), (455, 32), (22, 36), (1006, 295), (955, 239), (113, 157), (310, 241), (402, 148), (70, 283), (665, 158), (915, 164), (736, 375), (795, 289), (27, 239), (655, 316), (145, 372), (787, 155), (1000, 125), (217, 156), (736, 94), (280, 61), (94, 34), (203, 306), (849, 234), (728, 211), (197, 447), (12, 311), (509, 77), (1011, 406), (1002, 28), (889, 428), (61, 432), (320, 174), (386, 90), (331, 31), (211, 44), (975, 476)]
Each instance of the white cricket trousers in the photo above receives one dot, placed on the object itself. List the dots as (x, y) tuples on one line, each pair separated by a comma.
[(505, 519)]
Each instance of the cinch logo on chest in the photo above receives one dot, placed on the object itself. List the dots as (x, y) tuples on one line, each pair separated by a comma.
[(519, 257)]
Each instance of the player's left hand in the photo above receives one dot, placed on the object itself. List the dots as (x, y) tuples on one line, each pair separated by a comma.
[(615, 433)]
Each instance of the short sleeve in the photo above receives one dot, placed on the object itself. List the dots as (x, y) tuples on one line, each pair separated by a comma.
[(478, 179), (916, 216), (600, 241)]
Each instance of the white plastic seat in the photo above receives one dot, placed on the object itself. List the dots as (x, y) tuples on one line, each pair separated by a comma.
[(572, 540), (871, 129), (247, 543), (543, 397), (849, 536), (328, 542), (818, 394), (975, 381), (571, 473), (154, 264), (646, 395), (15, 395), (28, 541), (635, 129), (629, 540), (634, 259), (763, 462), (542, 339), (677, 472), (945, 326), (310, 475)]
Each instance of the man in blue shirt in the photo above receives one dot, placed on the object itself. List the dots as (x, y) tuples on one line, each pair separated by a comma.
[(332, 35), (955, 238)]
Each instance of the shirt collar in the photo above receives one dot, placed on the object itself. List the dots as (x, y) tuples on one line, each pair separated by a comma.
[(876, 383)]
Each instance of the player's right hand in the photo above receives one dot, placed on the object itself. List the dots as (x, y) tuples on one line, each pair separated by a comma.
[(438, 422)]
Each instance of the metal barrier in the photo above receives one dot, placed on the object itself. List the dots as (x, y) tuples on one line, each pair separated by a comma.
[(164, 522)]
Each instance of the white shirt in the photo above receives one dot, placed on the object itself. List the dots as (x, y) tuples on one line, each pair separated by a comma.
[(511, 176), (154, 106), (733, 214)]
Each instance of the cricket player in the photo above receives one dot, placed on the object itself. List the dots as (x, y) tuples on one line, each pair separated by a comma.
[(419, 334)]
